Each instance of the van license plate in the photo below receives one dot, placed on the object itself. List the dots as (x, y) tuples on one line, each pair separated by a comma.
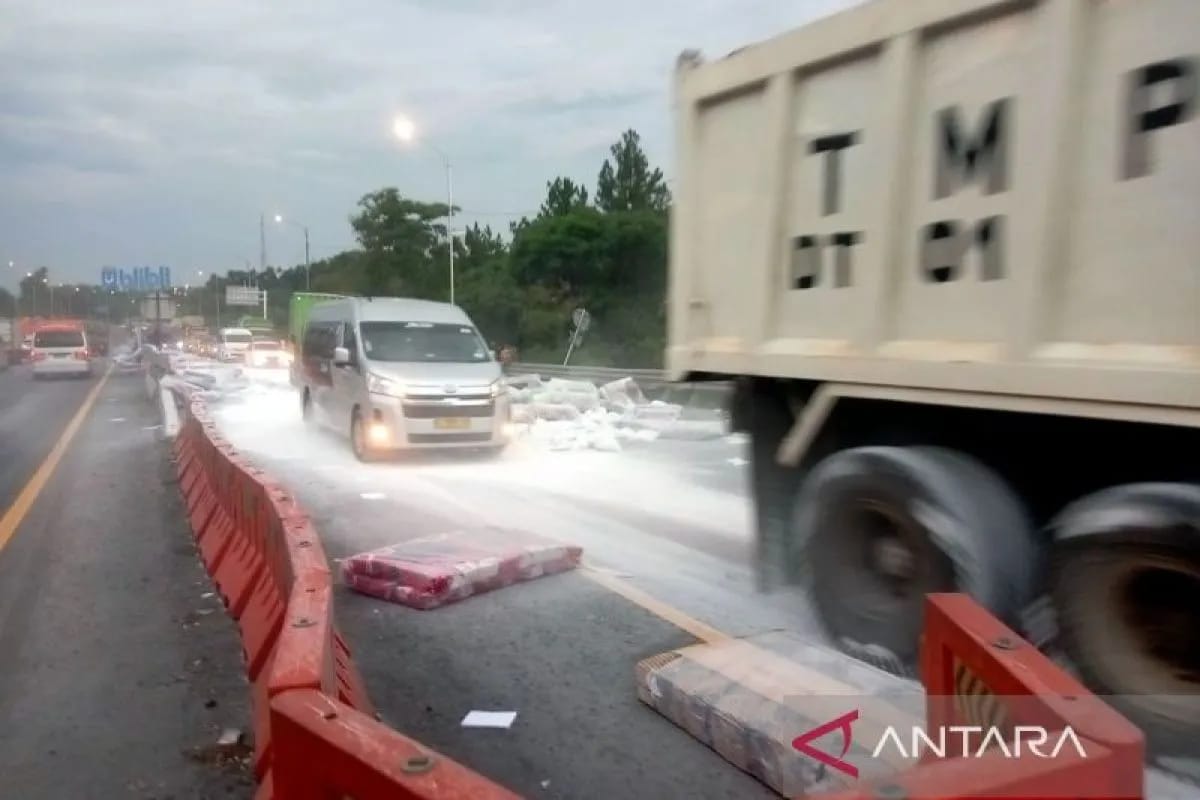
[(451, 423)]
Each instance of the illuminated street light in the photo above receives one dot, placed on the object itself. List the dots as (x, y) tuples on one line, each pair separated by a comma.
[(405, 131)]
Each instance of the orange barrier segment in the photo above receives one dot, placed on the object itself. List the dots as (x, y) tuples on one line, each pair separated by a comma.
[(962, 644), (270, 569), (338, 751)]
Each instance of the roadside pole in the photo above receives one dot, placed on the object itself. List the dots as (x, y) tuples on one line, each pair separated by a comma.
[(158, 318)]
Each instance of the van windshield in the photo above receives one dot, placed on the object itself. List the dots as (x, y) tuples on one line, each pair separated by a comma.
[(237, 338), (423, 342)]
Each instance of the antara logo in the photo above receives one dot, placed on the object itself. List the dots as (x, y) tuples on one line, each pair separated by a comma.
[(951, 741)]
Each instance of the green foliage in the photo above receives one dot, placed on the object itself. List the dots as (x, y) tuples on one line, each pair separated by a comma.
[(631, 185), (563, 196), (8, 304), (608, 256)]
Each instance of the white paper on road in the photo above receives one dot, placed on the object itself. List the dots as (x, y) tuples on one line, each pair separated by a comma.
[(373, 495), (489, 719)]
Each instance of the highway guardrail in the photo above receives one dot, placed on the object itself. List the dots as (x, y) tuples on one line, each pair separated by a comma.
[(653, 382), (645, 377)]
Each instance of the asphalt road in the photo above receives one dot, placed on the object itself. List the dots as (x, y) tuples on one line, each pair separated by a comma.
[(32, 415), (116, 674), (669, 518)]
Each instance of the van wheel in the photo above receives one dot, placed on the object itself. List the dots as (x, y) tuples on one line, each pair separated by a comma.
[(358, 440), (878, 528)]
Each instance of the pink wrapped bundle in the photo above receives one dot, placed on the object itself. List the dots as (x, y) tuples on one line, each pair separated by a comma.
[(432, 571)]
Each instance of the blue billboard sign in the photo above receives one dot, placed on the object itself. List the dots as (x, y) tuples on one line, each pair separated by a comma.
[(136, 279)]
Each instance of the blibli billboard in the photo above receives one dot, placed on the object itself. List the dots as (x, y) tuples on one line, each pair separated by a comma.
[(136, 279)]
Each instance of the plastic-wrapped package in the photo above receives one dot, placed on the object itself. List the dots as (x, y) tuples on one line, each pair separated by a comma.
[(553, 411), (622, 394), (432, 571), (749, 699), (582, 394)]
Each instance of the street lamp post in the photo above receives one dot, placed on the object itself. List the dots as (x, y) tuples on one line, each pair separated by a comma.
[(16, 298), (307, 265), (406, 131)]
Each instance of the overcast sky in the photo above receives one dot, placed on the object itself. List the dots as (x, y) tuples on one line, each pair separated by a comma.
[(137, 132)]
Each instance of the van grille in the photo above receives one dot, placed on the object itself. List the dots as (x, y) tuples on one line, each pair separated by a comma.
[(445, 438), (437, 410)]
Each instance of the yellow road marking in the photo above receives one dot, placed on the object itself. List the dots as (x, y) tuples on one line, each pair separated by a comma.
[(29, 493), (701, 630)]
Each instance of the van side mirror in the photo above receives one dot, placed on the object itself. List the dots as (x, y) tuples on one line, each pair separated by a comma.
[(341, 356)]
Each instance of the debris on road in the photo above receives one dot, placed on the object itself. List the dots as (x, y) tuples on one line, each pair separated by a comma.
[(749, 699), (577, 415), (489, 719), (232, 747), (432, 571)]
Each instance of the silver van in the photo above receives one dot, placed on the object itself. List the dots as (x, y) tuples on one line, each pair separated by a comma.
[(394, 373)]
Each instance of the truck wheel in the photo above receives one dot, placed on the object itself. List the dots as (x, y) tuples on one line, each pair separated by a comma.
[(1126, 575), (878, 528)]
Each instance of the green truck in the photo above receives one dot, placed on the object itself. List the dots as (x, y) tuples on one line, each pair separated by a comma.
[(298, 310)]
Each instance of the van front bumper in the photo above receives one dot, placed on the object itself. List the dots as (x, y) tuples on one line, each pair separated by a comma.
[(409, 423)]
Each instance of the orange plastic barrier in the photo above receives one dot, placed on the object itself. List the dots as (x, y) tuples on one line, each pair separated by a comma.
[(341, 752), (315, 731), (973, 666)]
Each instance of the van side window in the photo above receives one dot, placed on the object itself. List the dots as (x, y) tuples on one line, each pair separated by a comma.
[(350, 341), (319, 340)]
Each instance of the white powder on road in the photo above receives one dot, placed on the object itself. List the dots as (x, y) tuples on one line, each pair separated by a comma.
[(645, 518)]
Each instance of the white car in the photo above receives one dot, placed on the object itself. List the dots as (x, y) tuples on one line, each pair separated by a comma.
[(61, 351), (267, 353)]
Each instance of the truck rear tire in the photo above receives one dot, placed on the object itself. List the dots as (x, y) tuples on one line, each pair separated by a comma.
[(878, 528), (1125, 582)]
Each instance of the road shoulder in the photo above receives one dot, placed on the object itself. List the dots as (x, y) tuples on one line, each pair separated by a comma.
[(119, 672)]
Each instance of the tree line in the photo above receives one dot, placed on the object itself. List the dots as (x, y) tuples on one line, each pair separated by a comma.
[(603, 250)]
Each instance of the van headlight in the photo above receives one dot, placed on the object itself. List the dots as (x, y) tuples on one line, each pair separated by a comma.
[(377, 384)]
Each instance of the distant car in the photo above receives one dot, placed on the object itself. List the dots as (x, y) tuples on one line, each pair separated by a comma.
[(267, 353), (61, 351), (233, 343)]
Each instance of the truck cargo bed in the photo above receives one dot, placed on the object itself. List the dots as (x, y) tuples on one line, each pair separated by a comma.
[(977, 195)]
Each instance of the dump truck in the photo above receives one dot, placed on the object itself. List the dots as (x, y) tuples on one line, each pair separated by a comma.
[(946, 252)]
